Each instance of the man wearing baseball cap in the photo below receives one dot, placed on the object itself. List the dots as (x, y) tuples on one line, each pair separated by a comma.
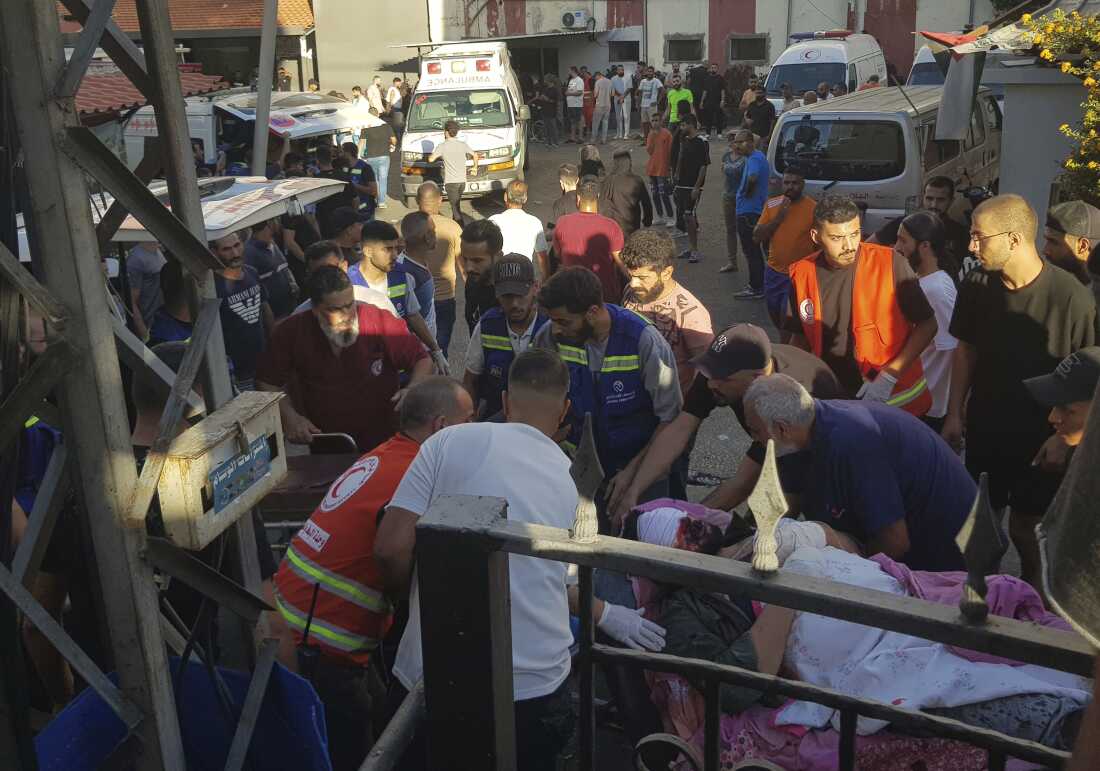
[(503, 333), (1068, 392), (735, 358), (1072, 229)]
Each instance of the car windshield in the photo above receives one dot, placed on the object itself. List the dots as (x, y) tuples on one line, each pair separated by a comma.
[(804, 77), (925, 74), (472, 109), (842, 150)]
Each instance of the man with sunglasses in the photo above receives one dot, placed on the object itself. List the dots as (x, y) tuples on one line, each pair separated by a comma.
[(1016, 317)]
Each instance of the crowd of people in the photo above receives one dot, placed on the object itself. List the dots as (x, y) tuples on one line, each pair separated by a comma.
[(902, 365)]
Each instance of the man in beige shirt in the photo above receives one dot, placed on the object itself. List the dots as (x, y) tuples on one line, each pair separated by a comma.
[(442, 260)]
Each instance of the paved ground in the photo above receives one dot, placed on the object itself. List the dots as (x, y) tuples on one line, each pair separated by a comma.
[(721, 440)]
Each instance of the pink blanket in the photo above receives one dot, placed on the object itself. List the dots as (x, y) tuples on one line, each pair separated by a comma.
[(1008, 597)]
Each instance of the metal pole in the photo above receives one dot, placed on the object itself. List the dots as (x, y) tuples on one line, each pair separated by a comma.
[(263, 88), (91, 392)]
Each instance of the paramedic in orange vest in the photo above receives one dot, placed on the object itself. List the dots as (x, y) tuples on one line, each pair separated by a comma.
[(334, 552), (860, 308)]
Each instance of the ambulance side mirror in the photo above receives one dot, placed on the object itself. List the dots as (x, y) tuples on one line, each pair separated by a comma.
[(524, 112)]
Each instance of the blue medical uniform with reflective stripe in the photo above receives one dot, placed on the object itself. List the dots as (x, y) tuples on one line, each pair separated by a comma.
[(496, 347), (398, 287)]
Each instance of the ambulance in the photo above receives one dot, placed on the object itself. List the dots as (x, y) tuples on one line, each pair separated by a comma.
[(834, 56), (475, 85)]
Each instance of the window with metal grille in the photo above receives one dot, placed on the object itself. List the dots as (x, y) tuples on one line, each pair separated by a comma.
[(684, 49), (748, 48), (623, 51)]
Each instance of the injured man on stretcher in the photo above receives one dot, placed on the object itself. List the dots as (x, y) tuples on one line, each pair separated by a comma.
[(1021, 700)]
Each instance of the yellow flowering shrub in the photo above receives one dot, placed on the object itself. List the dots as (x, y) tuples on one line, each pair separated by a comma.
[(1072, 42)]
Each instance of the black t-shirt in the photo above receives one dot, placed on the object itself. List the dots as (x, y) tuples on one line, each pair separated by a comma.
[(1017, 335), (694, 155), (565, 204), (762, 115), (835, 313), (958, 241), (480, 297), (591, 168), (242, 320), (326, 206), (378, 140), (713, 86), (625, 199), (807, 369)]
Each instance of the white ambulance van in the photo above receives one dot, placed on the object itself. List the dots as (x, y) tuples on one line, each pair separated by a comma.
[(475, 85), (837, 56)]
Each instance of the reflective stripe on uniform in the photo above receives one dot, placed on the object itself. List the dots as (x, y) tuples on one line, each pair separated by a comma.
[(398, 290), (30, 421), (330, 634), (573, 354), (621, 363), (496, 342), (903, 398), (334, 583)]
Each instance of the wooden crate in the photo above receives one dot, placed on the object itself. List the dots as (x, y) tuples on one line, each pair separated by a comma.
[(209, 481)]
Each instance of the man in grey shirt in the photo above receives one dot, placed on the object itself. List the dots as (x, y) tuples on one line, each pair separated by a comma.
[(602, 91), (581, 326), (454, 153), (143, 265)]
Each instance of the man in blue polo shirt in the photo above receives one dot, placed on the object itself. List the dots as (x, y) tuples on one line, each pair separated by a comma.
[(876, 472), (751, 195)]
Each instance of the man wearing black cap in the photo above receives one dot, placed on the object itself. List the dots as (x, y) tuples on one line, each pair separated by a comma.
[(1072, 229), (1068, 392), (735, 358), (503, 333)]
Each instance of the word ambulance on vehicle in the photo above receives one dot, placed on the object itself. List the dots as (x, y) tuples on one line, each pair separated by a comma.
[(473, 84)]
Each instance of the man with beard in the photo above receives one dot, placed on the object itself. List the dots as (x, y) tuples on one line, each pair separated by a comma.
[(676, 95), (481, 246), (860, 308), (1016, 318), (246, 317), (620, 370), (784, 227), (344, 359), (1072, 230), (503, 333), (379, 270), (939, 195), (734, 359), (875, 473)]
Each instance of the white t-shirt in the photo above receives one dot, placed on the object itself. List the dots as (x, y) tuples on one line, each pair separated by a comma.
[(362, 295), (412, 305), (519, 463), (475, 356), (575, 84), (648, 90), (936, 358), (523, 233), (393, 97)]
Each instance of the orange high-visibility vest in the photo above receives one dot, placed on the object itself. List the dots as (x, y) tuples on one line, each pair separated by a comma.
[(335, 551), (879, 329)]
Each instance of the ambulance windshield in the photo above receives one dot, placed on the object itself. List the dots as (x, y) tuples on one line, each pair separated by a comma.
[(472, 109)]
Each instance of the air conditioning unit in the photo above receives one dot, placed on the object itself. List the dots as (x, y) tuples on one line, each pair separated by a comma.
[(574, 19)]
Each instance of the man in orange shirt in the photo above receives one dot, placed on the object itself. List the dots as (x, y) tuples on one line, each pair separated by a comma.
[(658, 144), (329, 570), (784, 228)]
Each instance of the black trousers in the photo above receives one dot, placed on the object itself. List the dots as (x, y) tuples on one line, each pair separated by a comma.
[(544, 727), (345, 692), (454, 195)]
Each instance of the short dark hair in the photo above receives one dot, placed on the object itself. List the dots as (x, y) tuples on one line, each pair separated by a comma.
[(451, 127), (484, 232), (941, 183), (539, 370), (144, 394), (928, 226), (575, 288), (649, 248), (326, 280), (379, 230), (318, 250), (689, 119), (324, 152), (834, 209), (172, 284), (794, 169), (262, 225), (588, 189), (293, 159), (427, 400), (350, 147)]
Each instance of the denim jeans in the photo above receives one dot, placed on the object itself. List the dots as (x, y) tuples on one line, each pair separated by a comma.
[(381, 166), (753, 256), (662, 201), (550, 129), (444, 323)]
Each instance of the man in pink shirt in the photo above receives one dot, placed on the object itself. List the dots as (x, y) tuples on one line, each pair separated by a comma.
[(593, 241)]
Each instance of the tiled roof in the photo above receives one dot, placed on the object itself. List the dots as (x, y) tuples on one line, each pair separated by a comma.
[(209, 15), (115, 92)]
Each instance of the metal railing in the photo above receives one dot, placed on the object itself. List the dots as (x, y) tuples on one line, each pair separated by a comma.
[(463, 545)]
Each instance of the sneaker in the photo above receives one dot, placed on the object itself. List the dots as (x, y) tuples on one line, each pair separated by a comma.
[(685, 255), (695, 258), (748, 293), (729, 267), (677, 233)]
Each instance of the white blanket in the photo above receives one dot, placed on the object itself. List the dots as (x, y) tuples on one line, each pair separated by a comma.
[(889, 667)]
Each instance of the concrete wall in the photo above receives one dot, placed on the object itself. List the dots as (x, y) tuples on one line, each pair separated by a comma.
[(494, 18), (679, 17), (941, 16), (353, 39)]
